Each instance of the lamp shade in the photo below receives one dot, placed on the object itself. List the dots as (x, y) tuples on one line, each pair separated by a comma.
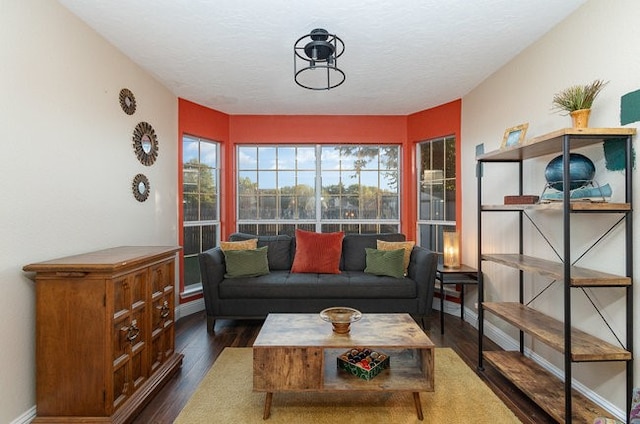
[(451, 249)]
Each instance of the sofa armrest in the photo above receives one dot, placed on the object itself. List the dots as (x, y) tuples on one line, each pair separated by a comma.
[(212, 270), (422, 269)]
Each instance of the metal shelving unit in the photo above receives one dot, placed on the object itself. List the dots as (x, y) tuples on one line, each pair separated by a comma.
[(554, 395)]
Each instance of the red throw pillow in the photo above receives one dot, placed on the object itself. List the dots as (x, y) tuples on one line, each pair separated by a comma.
[(317, 252)]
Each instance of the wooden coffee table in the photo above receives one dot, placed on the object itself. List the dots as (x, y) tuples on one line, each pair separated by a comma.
[(298, 352)]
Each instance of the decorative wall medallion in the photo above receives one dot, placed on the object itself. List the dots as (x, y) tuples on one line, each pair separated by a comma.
[(140, 187), (145, 143), (127, 101)]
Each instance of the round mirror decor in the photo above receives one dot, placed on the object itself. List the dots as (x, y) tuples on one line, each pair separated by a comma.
[(127, 101), (145, 143), (140, 187)]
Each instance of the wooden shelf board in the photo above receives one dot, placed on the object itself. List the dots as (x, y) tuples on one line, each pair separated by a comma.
[(550, 331), (552, 143), (600, 206), (580, 277), (557, 206), (543, 388)]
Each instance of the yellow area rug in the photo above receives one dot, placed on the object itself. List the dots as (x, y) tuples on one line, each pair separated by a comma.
[(226, 395)]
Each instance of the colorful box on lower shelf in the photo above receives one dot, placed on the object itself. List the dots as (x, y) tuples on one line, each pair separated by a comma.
[(363, 362)]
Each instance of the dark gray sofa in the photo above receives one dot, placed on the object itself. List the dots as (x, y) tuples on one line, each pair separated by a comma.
[(284, 292)]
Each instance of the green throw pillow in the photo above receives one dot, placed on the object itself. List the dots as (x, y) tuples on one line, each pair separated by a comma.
[(246, 263), (385, 262)]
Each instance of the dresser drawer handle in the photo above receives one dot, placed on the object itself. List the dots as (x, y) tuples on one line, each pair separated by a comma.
[(164, 310), (133, 332)]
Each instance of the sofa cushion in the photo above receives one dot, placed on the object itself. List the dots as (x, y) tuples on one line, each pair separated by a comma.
[(353, 245), (392, 245), (246, 263), (385, 262), (317, 252), (347, 285), (279, 253)]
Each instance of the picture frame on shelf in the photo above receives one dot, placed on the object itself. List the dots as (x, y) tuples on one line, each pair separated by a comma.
[(514, 136)]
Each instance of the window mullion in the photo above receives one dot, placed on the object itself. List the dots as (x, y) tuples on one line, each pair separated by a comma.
[(318, 182)]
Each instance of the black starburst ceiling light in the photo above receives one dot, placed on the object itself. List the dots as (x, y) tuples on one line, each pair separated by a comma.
[(315, 60)]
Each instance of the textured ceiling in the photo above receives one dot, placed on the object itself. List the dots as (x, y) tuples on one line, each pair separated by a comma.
[(401, 56)]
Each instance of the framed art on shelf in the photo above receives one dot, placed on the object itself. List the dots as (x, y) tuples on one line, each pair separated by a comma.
[(514, 136)]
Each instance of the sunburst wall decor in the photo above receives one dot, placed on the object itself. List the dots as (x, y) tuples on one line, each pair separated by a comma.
[(140, 187), (145, 143), (127, 101)]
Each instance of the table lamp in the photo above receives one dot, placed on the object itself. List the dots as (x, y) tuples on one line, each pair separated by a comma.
[(451, 249)]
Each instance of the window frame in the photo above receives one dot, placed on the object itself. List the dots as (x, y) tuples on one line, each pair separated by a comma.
[(437, 225), (281, 225), (191, 288)]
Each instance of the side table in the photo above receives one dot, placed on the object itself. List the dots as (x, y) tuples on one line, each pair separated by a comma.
[(464, 275)]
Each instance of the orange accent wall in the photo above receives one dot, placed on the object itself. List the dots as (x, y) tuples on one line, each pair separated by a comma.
[(231, 130), (200, 121), (317, 129)]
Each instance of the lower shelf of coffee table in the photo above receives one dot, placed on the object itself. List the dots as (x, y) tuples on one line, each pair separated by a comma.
[(315, 369), (408, 371)]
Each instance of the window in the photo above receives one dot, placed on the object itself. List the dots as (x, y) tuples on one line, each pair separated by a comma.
[(360, 190), (201, 210), (437, 190), (324, 188)]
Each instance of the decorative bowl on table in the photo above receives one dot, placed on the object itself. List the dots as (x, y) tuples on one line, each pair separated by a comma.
[(341, 318)]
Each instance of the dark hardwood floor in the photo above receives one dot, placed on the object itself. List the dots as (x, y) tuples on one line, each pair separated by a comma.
[(201, 349)]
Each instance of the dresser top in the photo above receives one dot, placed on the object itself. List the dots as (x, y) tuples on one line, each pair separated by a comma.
[(111, 259)]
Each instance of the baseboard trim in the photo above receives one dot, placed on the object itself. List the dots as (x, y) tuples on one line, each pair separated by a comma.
[(186, 309), (27, 417)]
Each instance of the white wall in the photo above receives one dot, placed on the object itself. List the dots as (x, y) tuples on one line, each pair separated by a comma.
[(600, 40), (66, 165)]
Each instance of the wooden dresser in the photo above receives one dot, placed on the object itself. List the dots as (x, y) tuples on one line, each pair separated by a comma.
[(105, 333)]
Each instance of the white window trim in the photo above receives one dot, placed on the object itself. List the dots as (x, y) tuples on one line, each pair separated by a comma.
[(318, 221)]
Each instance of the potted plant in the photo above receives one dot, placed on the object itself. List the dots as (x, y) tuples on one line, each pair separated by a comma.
[(577, 100)]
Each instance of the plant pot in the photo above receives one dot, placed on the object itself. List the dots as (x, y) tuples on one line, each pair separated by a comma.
[(580, 118)]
